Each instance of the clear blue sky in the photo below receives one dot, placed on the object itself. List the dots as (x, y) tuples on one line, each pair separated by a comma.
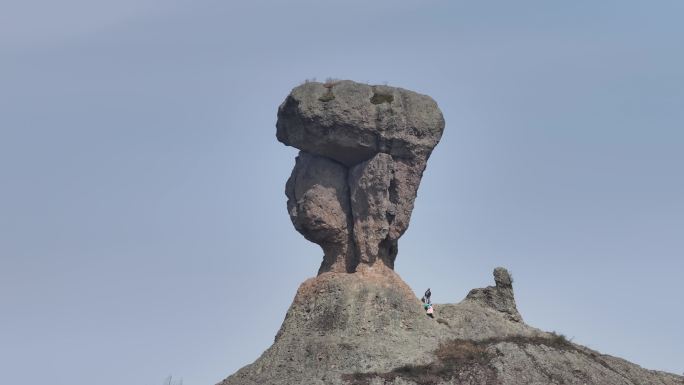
[(141, 196)]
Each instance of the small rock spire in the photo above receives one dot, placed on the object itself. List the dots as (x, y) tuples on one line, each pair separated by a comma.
[(499, 297), (503, 278)]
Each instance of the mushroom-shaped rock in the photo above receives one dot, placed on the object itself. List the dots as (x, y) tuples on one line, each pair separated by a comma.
[(363, 152)]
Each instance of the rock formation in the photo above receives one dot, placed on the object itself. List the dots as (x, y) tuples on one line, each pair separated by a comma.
[(369, 328), (499, 297), (363, 152)]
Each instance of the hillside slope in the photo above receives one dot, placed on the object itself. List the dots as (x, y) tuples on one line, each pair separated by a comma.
[(368, 328)]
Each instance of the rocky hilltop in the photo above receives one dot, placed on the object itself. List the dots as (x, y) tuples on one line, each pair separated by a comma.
[(363, 150)]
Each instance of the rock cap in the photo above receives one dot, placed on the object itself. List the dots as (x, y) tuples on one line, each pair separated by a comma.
[(350, 122)]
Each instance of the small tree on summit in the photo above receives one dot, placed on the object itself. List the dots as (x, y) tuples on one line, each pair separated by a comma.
[(169, 381)]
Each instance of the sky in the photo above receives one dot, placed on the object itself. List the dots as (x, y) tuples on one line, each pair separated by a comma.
[(143, 227)]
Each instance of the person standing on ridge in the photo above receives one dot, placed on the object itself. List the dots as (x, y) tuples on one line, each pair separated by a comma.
[(427, 303)]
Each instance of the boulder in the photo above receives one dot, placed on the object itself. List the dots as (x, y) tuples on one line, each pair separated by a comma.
[(350, 122), (318, 204)]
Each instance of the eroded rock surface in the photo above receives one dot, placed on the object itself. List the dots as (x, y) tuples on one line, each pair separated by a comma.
[(350, 122), (372, 209), (318, 204), (363, 153), (369, 328), (499, 297), (377, 140)]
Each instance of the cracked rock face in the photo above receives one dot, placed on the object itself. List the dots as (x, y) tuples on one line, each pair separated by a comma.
[(318, 204), (363, 152)]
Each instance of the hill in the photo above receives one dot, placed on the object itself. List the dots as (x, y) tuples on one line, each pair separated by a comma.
[(363, 150)]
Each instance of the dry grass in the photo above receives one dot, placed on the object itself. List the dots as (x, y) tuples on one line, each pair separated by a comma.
[(330, 83), (458, 352), (379, 98), (452, 357), (328, 96), (457, 357)]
